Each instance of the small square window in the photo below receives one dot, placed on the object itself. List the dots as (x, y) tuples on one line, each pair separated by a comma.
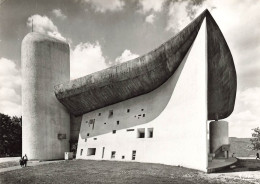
[(140, 133), (113, 154), (99, 114), (128, 110), (87, 134), (117, 122), (123, 157), (105, 123), (91, 151), (143, 115), (142, 109), (95, 138), (114, 131)]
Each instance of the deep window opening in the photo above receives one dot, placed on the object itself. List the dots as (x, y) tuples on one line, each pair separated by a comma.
[(110, 113), (123, 157), (99, 114), (117, 122), (114, 131), (133, 154), (150, 132), (113, 154), (140, 133), (128, 110), (87, 134), (91, 122), (103, 152), (81, 151), (91, 151)]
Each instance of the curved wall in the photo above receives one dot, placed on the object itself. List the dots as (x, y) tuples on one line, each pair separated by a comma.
[(218, 131), (45, 63), (176, 112)]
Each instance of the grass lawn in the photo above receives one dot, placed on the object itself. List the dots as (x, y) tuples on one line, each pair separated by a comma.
[(86, 171)]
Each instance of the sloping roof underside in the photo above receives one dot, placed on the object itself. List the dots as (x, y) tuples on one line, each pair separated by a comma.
[(146, 73)]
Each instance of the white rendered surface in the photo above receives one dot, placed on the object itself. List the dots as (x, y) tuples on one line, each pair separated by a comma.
[(45, 63), (177, 112)]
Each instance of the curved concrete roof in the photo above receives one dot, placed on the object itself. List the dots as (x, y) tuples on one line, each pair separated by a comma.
[(148, 72)]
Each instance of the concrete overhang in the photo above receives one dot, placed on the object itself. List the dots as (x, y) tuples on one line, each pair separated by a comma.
[(146, 73)]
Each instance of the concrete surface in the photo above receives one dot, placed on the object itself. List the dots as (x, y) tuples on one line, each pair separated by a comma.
[(222, 79), (220, 164), (176, 111), (45, 62), (148, 72), (218, 132)]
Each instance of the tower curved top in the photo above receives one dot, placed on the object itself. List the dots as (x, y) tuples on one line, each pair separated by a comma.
[(146, 73), (34, 37)]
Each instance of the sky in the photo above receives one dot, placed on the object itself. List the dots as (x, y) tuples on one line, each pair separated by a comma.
[(102, 33)]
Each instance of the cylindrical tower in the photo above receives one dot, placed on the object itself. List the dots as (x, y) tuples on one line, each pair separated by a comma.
[(218, 131), (46, 123)]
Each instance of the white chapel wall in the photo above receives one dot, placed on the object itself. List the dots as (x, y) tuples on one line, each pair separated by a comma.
[(176, 111)]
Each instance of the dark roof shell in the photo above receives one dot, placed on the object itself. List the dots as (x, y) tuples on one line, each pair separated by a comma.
[(146, 73)]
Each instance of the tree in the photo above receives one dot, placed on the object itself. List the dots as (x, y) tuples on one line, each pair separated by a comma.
[(10, 135), (255, 140)]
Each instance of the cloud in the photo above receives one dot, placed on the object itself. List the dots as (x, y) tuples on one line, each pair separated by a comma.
[(151, 5), (180, 14), (9, 94), (251, 97), (126, 56), (10, 84), (86, 58), (246, 113), (44, 25), (106, 5), (58, 13), (150, 18)]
